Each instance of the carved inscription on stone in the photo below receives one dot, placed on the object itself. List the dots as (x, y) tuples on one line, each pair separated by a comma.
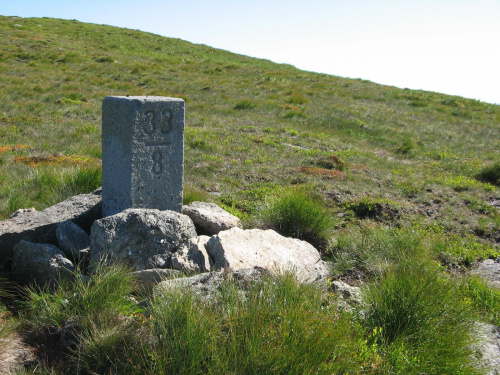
[(156, 127), (143, 153)]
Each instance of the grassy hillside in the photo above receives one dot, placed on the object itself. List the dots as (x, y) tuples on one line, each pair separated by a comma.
[(252, 126), (394, 171)]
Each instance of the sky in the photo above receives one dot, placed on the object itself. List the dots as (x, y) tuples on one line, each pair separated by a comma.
[(447, 46)]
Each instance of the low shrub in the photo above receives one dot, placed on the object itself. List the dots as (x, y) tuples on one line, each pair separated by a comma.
[(374, 208), (331, 162), (245, 104), (457, 250), (490, 173), (407, 146), (294, 212), (297, 99)]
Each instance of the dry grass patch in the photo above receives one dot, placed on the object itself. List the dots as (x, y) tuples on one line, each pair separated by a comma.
[(34, 161), (11, 148), (314, 171)]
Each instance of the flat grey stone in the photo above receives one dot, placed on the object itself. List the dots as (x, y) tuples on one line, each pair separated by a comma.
[(351, 294), (141, 238), (72, 239), (208, 285), (40, 226), (236, 249), (489, 271), (142, 153), (210, 219), (147, 279), (40, 263), (193, 258), (488, 345)]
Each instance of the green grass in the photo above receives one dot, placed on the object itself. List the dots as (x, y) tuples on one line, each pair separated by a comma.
[(373, 175), (8, 325), (268, 330), (248, 122), (94, 312), (411, 312), (484, 298), (373, 250)]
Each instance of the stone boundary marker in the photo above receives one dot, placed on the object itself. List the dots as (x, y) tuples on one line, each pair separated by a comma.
[(142, 153)]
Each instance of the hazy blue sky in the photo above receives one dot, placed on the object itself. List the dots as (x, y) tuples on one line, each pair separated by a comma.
[(449, 46)]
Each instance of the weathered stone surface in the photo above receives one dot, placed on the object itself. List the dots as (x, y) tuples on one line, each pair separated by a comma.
[(236, 249), (351, 294), (22, 211), (208, 285), (72, 239), (192, 259), (40, 226), (14, 354), (489, 270), (141, 238), (210, 219), (147, 279), (488, 345), (142, 153), (40, 263)]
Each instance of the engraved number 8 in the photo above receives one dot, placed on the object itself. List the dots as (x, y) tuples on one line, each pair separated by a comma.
[(157, 161)]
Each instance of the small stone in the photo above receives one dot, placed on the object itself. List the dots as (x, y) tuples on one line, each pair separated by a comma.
[(147, 279), (72, 239), (194, 258), (351, 294), (210, 219)]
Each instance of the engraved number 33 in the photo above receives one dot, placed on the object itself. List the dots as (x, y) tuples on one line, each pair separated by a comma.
[(150, 122)]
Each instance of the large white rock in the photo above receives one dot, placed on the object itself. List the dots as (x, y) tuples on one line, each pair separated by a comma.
[(237, 249), (209, 218)]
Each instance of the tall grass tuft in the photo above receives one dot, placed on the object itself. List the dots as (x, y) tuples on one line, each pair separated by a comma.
[(192, 194), (94, 314), (374, 250), (50, 185), (486, 300), (7, 324), (278, 327), (417, 317), (275, 326), (294, 212)]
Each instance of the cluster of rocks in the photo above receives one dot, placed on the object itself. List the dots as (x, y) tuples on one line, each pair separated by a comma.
[(45, 246)]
